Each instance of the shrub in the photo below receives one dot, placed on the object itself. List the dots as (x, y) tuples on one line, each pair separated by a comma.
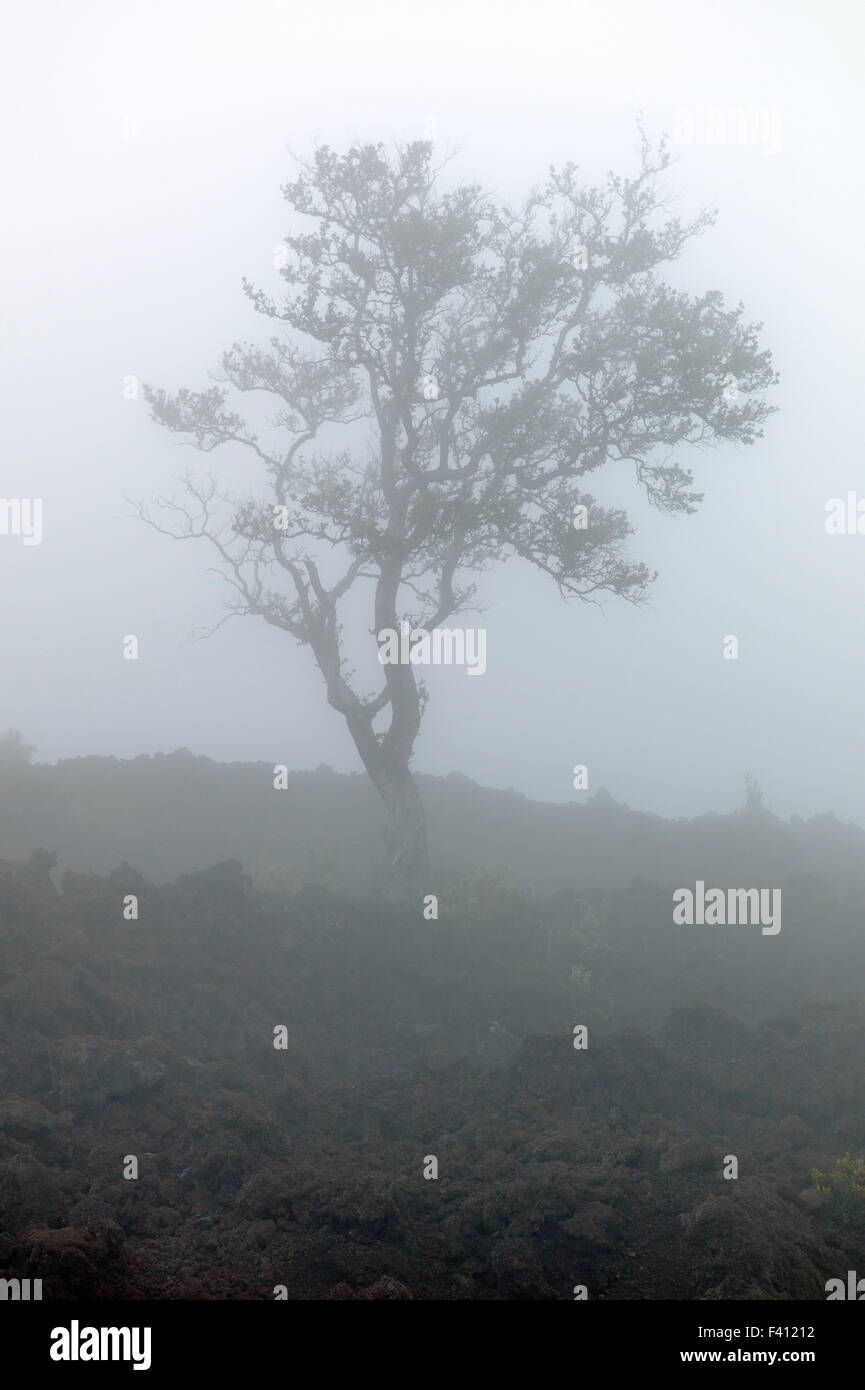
[(844, 1184), (484, 896), (273, 877)]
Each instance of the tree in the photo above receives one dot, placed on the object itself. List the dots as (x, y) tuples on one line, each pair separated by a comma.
[(474, 362), (755, 804)]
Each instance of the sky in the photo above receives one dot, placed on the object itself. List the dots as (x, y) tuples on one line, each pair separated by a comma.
[(144, 149)]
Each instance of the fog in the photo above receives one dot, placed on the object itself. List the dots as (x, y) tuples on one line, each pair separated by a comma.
[(144, 152), (366, 936)]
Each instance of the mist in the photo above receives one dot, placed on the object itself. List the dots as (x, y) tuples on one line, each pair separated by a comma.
[(432, 852), (143, 174)]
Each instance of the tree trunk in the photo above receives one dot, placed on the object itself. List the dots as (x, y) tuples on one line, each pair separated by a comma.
[(405, 837), (386, 756)]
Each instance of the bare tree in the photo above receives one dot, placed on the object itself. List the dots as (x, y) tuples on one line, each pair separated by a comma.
[(480, 360)]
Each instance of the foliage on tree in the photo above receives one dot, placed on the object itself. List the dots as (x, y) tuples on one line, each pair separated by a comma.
[(755, 804)]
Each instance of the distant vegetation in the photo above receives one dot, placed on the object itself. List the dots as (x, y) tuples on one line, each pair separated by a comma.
[(169, 814)]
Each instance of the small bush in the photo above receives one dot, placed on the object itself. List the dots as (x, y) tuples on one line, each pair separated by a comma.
[(484, 896), (844, 1184), (273, 877)]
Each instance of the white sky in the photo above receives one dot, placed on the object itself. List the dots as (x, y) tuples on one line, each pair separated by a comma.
[(143, 152)]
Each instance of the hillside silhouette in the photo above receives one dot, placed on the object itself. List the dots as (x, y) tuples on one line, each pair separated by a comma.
[(169, 814)]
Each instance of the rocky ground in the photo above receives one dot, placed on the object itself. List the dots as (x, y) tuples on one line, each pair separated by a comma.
[(301, 1167)]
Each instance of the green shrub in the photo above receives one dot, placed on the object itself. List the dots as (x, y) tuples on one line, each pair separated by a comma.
[(270, 875), (484, 896), (844, 1185)]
